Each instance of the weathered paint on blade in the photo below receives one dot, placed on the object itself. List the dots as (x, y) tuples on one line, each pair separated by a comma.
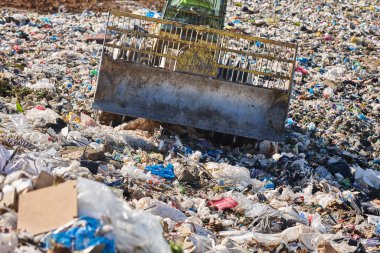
[(179, 98)]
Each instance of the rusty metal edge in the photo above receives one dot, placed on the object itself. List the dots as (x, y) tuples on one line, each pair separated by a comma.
[(204, 29)]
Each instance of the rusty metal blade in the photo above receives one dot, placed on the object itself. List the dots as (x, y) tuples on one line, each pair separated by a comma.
[(167, 96)]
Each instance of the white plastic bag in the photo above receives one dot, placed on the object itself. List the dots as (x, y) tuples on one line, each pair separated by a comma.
[(134, 230), (288, 235), (367, 177), (8, 242), (44, 83), (159, 208), (42, 117), (131, 171), (230, 174)]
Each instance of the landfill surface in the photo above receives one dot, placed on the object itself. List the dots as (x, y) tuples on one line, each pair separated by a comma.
[(143, 186)]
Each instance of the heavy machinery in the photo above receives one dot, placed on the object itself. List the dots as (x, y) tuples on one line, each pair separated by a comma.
[(185, 69)]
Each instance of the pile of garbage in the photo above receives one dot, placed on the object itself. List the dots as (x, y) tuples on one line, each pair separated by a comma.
[(69, 183)]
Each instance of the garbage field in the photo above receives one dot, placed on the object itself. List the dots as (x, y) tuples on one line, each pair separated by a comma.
[(72, 183)]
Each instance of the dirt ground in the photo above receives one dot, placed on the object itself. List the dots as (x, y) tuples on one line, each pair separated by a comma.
[(52, 6)]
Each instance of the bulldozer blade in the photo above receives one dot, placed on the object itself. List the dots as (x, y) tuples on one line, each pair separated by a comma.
[(159, 94)]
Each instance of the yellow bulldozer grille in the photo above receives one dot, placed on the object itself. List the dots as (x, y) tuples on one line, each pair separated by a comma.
[(200, 50)]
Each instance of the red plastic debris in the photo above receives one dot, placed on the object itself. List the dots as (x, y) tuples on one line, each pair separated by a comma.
[(16, 48), (223, 203), (302, 70), (40, 107), (327, 37), (310, 219)]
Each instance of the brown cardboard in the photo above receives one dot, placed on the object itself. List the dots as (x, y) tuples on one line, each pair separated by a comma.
[(48, 208), (325, 247), (46, 179), (43, 180)]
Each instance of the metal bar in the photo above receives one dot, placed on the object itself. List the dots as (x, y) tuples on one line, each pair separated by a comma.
[(253, 72), (291, 80), (143, 51), (218, 65), (212, 46), (238, 58), (204, 29)]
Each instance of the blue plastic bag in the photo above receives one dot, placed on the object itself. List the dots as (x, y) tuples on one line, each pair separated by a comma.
[(159, 170), (82, 236)]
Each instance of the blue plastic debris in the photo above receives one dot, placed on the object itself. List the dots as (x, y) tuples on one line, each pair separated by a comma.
[(183, 149), (213, 154), (54, 38), (46, 20), (290, 122), (153, 14), (115, 183), (362, 117), (82, 235), (377, 229), (259, 44), (269, 185), (303, 216), (159, 170), (303, 60), (150, 14)]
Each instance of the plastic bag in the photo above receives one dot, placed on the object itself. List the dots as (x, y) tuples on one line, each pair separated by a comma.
[(42, 117), (77, 138), (134, 172), (243, 202), (34, 162), (230, 174), (134, 230), (159, 208), (198, 243), (20, 123), (367, 177), (311, 238), (286, 236), (223, 203), (159, 170), (82, 234), (87, 121), (317, 223), (44, 83), (8, 242), (326, 200), (257, 210)]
